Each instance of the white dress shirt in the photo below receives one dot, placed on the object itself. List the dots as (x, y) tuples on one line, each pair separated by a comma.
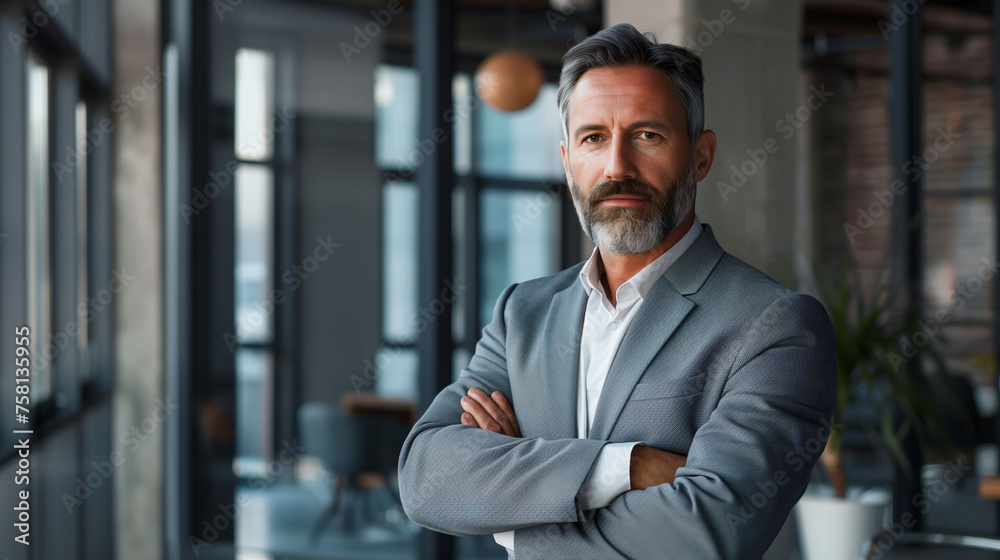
[(604, 328)]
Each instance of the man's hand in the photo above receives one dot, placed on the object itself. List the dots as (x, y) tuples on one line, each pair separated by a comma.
[(488, 412), (651, 466)]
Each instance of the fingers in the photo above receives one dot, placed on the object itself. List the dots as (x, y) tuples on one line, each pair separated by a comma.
[(508, 411), (468, 420), (491, 406), (487, 414), (480, 417)]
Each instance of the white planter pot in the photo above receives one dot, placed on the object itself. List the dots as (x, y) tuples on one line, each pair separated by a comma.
[(834, 528)]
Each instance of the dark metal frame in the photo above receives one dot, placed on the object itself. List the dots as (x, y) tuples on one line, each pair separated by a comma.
[(187, 143), (996, 191), (433, 54), (906, 137)]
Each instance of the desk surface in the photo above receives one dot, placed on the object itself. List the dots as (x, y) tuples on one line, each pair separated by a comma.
[(404, 410)]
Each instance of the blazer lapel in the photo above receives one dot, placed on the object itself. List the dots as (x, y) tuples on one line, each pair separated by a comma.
[(657, 319), (663, 310), (563, 328)]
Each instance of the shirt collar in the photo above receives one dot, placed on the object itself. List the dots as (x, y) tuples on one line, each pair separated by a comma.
[(643, 280)]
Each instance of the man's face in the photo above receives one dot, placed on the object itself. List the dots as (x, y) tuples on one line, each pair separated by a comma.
[(628, 158)]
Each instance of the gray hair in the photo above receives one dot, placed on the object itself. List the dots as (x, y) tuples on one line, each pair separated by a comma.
[(623, 45)]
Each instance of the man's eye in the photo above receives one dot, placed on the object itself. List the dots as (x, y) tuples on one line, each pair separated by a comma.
[(647, 135), (592, 138)]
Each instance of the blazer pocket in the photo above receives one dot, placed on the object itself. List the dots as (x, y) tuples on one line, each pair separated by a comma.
[(670, 388)]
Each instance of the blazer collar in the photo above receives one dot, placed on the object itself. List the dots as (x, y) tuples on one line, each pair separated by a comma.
[(693, 267)]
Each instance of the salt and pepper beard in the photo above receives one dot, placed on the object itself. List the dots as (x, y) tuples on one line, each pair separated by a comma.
[(629, 230)]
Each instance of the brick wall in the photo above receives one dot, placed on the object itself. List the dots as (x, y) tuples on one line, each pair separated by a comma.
[(850, 166)]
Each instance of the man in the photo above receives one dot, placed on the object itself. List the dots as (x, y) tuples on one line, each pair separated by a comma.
[(655, 401)]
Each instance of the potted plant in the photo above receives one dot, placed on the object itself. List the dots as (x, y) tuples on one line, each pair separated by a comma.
[(879, 356)]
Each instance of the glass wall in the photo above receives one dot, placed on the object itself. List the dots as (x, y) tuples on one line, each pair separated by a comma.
[(297, 316), (58, 282), (306, 251)]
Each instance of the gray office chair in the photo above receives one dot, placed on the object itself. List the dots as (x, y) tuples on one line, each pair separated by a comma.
[(348, 445), (338, 441)]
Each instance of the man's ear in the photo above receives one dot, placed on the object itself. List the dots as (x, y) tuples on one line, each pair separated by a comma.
[(704, 154), (562, 150)]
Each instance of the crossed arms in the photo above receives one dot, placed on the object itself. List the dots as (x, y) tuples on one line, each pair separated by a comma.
[(459, 479), (648, 467)]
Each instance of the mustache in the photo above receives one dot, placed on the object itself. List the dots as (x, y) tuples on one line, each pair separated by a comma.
[(633, 187)]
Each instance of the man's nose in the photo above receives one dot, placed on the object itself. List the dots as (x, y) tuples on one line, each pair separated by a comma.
[(621, 160)]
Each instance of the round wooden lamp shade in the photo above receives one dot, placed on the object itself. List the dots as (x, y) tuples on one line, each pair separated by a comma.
[(509, 80)]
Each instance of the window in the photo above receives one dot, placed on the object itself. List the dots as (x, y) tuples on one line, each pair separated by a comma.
[(518, 233), (254, 259), (39, 253), (523, 144), (83, 332), (502, 160), (254, 104)]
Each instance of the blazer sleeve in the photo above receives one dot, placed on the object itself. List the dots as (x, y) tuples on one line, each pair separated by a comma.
[(746, 467), (464, 480)]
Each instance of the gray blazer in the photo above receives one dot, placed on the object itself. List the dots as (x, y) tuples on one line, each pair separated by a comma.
[(721, 364)]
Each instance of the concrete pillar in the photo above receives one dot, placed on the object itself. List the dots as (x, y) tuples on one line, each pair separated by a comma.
[(753, 90), (138, 387)]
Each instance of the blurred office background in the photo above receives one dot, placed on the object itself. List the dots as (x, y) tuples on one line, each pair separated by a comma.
[(249, 259)]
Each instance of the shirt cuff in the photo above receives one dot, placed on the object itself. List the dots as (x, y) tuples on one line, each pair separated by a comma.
[(608, 478), (505, 539)]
